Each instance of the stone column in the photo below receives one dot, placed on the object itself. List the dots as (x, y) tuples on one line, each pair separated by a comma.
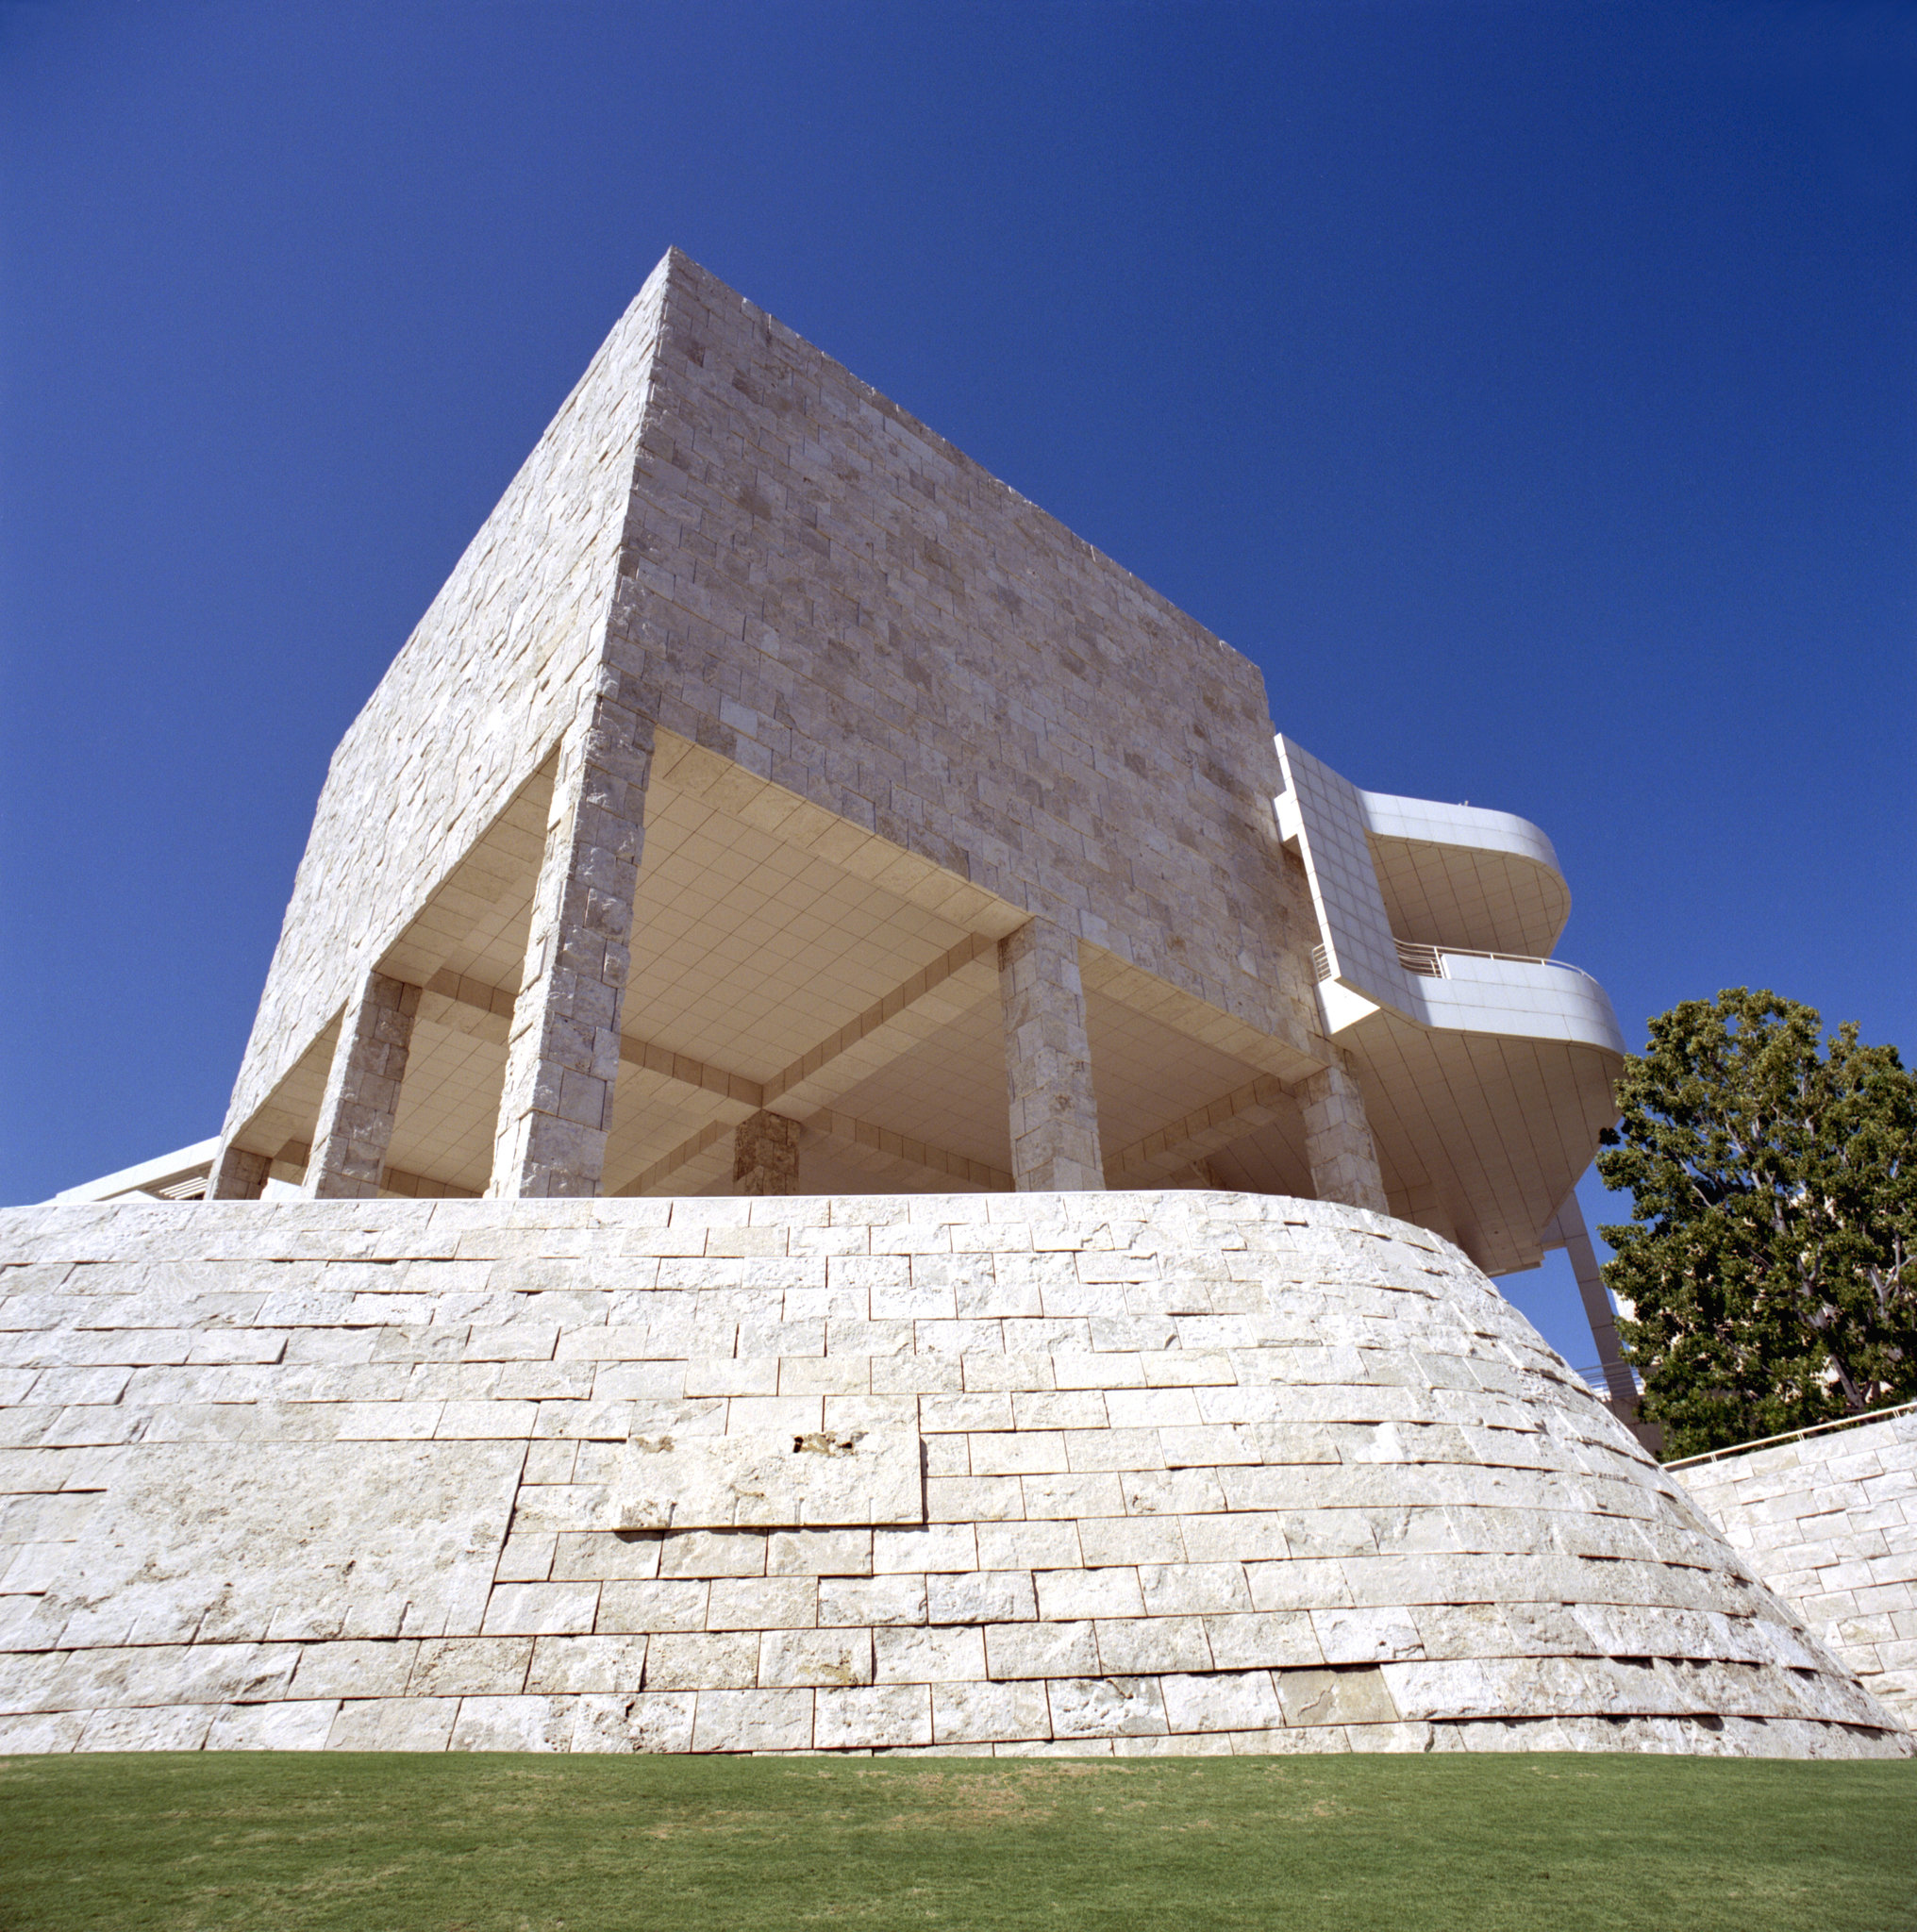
[(765, 1155), (361, 1099), (563, 1053), (1048, 1063), (237, 1176), (1338, 1142)]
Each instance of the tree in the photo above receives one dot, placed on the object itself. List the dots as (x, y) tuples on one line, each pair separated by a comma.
[(1768, 1279)]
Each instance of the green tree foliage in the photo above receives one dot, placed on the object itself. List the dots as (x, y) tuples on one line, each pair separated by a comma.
[(1767, 1269)]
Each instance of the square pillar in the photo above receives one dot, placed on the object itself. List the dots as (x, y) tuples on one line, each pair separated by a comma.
[(1048, 1063), (361, 1100), (1338, 1142), (563, 1053), (237, 1176), (765, 1155)]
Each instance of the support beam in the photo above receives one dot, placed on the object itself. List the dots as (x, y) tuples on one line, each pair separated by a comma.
[(1567, 1230), (931, 999), (765, 1155), (1292, 1054), (880, 1150), (1338, 1142), (361, 1099), (1204, 1131), (1048, 1061), (912, 1012), (563, 1058)]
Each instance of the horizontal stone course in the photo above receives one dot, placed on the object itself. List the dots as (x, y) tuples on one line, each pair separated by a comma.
[(1335, 1495)]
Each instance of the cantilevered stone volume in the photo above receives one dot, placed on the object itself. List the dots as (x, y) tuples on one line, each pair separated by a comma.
[(845, 1151)]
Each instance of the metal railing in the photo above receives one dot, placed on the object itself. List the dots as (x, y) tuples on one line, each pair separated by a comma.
[(1428, 962), (1842, 1422)]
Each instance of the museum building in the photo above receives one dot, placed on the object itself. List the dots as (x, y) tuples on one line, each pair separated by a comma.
[(846, 1150)]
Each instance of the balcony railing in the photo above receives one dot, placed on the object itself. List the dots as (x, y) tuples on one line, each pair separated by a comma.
[(1428, 962)]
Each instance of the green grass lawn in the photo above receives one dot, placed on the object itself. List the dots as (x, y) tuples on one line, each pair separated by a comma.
[(508, 1844)]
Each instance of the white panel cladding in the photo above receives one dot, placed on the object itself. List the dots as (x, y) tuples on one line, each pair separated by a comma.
[(1353, 924), (1522, 999), (1202, 1471)]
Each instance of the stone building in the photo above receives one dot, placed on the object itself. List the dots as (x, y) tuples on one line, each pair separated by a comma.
[(880, 1165)]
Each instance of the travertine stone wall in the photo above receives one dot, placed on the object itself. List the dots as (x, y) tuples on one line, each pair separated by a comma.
[(1106, 1473), (1830, 1521), (832, 595), (787, 569), (361, 1096)]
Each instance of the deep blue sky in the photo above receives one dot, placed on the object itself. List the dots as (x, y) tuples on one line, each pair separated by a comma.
[(1527, 388)]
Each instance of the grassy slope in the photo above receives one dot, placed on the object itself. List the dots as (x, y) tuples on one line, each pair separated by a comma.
[(507, 1843)]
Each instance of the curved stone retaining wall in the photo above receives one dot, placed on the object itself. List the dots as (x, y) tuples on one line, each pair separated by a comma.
[(1194, 1471)]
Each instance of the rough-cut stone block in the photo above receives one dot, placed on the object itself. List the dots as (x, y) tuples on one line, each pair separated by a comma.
[(381, 1539), (1106, 1706), (291, 1727), (652, 1722), (394, 1723), (753, 1721), (784, 1478), (788, 1659), (597, 1664)]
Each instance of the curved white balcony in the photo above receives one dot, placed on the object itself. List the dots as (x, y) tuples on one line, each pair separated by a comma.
[(1522, 997), (1459, 875), (1487, 1066)]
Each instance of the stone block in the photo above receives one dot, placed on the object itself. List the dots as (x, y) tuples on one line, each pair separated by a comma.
[(821, 1552), (648, 1722), (762, 1603), (686, 1661), (601, 1665), (305, 1540), (354, 1670), (790, 1658), (670, 1603), (970, 1713), (1335, 1698), (393, 1723), (844, 1600), (38, 1732), (514, 1724), (1105, 1708), (934, 1656), (753, 1721), (713, 1553), (474, 1666), (1245, 1701), (170, 1727), (294, 1726), (1040, 1649), (985, 1596)]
